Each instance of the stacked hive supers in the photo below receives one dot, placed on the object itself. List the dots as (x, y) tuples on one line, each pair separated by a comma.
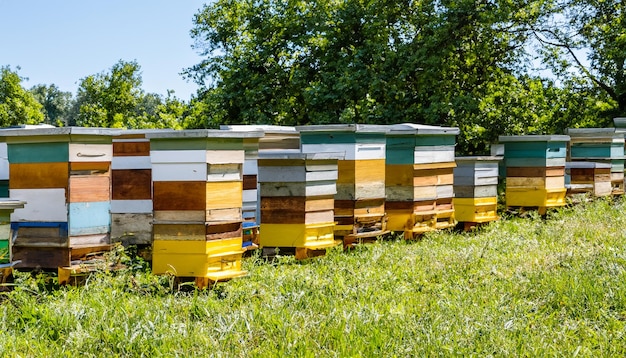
[(4, 171), (419, 178), (600, 145), (476, 189), (274, 138), (63, 175), (131, 182), (297, 202), (197, 201), (535, 170), (360, 198), (7, 206), (588, 177)]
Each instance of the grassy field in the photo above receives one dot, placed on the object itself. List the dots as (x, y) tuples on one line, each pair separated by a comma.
[(520, 287)]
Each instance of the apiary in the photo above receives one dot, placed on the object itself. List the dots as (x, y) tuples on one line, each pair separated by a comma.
[(535, 170), (360, 199), (64, 176), (419, 171), (600, 145), (197, 201), (476, 189), (297, 202)]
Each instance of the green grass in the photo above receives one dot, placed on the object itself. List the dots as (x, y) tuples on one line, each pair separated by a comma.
[(519, 287)]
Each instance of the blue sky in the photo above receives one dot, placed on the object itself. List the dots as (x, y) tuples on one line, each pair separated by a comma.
[(60, 42)]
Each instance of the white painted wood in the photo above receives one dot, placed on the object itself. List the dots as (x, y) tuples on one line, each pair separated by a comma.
[(41, 205), (250, 167), (348, 150), (434, 156), (445, 191), (178, 156), (370, 151), (298, 189), (250, 195), (89, 240), (4, 161), (179, 171), (225, 156), (131, 206), (425, 192), (79, 152), (293, 174), (224, 172), (131, 162)]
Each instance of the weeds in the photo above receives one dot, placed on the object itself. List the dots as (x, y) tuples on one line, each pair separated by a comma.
[(527, 286)]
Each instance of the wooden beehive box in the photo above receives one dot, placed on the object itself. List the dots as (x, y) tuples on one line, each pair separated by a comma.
[(197, 200), (63, 174), (131, 188), (360, 198), (4, 170), (535, 170), (7, 206), (275, 138), (476, 189), (588, 177), (297, 193), (419, 169), (601, 145)]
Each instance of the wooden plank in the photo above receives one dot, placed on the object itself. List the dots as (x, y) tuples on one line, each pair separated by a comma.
[(220, 231), (298, 189), (38, 175), (79, 152), (131, 206), (445, 191), (179, 195), (41, 257), (131, 149), (89, 188), (228, 214), (535, 197), (471, 191), (361, 171), (131, 184), (89, 167), (193, 216), (224, 172), (130, 162), (132, 228), (89, 218), (178, 172), (535, 171), (360, 191), (399, 175), (297, 203), (178, 156), (179, 232), (48, 205), (222, 195), (536, 182), (87, 240), (249, 182), (38, 152), (225, 156), (535, 162), (288, 174)]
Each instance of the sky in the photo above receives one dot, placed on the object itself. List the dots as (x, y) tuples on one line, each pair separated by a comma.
[(60, 42)]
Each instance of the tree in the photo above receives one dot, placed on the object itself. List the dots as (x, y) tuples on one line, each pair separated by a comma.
[(355, 61), (56, 103), (17, 105), (584, 41)]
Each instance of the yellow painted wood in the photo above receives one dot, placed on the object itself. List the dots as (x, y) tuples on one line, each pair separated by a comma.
[(476, 210), (361, 171), (535, 197), (313, 236), (198, 258), (224, 195), (557, 182)]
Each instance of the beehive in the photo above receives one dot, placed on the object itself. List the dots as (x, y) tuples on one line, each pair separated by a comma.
[(600, 145), (620, 129), (7, 206), (297, 201), (63, 175), (419, 173), (360, 198), (197, 201), (275, 138), (131, 188), (535, 170), (476, 189), (588, 177), (4, 171)]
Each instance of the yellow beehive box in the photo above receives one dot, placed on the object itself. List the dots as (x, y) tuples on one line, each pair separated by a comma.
[(477, 210)]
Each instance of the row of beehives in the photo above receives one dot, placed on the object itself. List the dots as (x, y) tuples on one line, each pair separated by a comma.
[(188, 193)]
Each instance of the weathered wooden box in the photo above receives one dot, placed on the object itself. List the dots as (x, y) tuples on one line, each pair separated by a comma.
[(63, 174), (420, 175), (297, 200), (535, 170), (359, 202), (588, 177), (475, 187), (197, 180)]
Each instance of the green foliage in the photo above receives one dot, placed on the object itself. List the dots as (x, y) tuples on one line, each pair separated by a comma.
[(519, 287), (17, 105), (116, 100), (56, 103)]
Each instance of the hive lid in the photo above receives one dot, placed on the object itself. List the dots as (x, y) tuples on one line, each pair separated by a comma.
[(43, 131), (302, 156), (587, 165), (484, 158), (357, 128), (203, 133), (620, 122), (533, 138), (266, 128), (420, 129), (6, 203)]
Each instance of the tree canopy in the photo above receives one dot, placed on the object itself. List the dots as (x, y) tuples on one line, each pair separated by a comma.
[(17, 105)]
